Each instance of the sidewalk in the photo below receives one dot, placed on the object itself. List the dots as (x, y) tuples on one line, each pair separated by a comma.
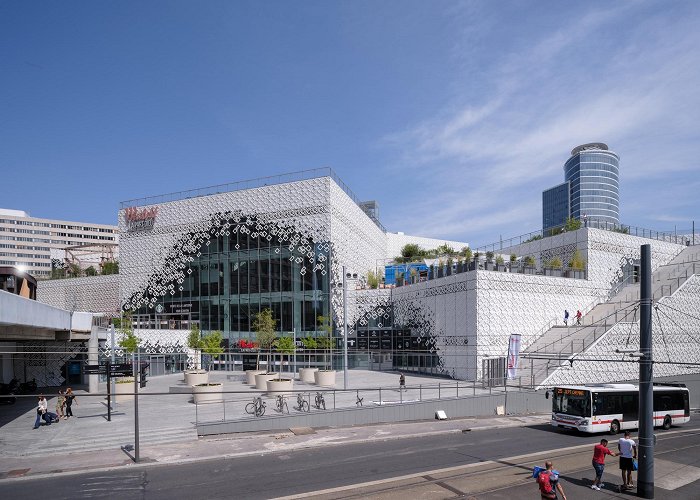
[(243, 444)]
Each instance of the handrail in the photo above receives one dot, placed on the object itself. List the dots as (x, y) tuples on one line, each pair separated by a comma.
[(679, 237)]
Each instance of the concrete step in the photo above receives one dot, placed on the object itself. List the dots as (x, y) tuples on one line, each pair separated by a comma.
[(94, 443)]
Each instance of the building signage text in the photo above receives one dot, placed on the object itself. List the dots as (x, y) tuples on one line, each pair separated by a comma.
[(140, 220)]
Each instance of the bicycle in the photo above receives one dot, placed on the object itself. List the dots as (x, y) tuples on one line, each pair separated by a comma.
[(281, 404), (257, 407), (302, 404), (319, 401)]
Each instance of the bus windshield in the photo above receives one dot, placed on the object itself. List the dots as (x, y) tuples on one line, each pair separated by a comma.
[(572, 402)]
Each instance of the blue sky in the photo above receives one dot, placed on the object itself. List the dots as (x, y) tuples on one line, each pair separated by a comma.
[(453, 115)]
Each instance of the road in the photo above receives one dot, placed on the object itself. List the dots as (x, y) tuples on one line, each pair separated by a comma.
[(475, 461)]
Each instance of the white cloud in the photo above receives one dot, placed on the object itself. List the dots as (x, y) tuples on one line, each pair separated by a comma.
[(489, 160)]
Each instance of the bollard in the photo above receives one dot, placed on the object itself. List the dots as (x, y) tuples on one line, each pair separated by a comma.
[(380, 396)]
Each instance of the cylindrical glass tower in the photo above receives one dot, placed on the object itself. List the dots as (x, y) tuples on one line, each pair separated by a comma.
[(593, 176)]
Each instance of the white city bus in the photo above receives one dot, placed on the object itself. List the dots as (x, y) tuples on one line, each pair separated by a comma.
[(611, 407)]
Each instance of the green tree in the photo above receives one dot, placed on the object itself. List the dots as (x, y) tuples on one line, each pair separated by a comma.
[(445, 249), (499, 260), (489, 256), (129, 341), (111, 267), (309, 343), (468, 254), (554, 263), (285, 345), (194, 342), (529, 261), (572, 224), (513, 257), (57, 273), (410, 253), (372, 280), (74, 270), (264, 326), (211, 345), (577, 262), (91, 271)]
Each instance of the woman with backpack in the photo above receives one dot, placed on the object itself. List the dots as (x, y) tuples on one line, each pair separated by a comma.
[(548, 481)]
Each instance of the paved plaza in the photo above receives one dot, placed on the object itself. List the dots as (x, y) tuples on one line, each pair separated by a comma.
[(168, 415)]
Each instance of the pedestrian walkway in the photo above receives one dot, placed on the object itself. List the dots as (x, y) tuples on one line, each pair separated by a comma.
[(242, 445)]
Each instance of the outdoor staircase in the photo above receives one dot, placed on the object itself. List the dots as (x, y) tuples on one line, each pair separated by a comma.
[(561, 342)]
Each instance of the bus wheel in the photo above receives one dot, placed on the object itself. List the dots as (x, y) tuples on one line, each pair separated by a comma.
[(667, 423), (614, 427)]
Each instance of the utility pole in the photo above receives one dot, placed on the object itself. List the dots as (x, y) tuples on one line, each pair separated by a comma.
[(345, 330), (645, 474)]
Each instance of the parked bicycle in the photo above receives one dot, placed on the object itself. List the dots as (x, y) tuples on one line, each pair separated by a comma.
[(257, 407), (302, 403), (319, 402), (281, 404)]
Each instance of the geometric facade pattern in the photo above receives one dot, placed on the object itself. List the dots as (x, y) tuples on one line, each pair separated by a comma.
[(675, 336), (45, 361), (88, 294), (471, 315)]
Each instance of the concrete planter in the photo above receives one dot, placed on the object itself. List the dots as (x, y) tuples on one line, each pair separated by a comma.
[(208, 393), (279, 387), (250, 375), (306, 375), (120, 390), (196, 377), (325, 378), (261, 380)]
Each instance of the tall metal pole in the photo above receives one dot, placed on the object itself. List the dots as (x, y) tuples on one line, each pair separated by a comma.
[(645, 475), (345, 330), (110, 380), (137, 381)]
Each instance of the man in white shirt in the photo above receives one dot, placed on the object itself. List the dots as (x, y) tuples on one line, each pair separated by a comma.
[(628, 452), (41, 408)]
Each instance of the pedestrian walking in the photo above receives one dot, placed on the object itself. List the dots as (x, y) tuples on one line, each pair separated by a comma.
[(578, 317), (41, 408), (548, 481), (566, 317), (599, 453), (402, 382), (60, 404), (628, 454), (70, 399)]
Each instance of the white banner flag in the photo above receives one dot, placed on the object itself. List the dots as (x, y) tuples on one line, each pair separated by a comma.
[(513, 355)]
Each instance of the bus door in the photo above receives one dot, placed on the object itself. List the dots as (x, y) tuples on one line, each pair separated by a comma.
[(630, 407)]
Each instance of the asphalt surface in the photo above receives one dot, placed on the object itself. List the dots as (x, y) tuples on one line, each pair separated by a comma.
[(481, 464)]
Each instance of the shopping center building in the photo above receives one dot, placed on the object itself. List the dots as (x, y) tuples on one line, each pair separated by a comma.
[(216, 257)]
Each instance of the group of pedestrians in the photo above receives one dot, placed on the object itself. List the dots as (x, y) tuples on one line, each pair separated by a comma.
[(548, 478), (578, 317), (627, 451), (64, 408)]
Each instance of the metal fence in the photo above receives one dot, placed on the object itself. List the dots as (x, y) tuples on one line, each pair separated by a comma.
[(318, 406)]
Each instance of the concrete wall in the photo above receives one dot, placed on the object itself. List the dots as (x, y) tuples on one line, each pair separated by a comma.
[(474, 406)]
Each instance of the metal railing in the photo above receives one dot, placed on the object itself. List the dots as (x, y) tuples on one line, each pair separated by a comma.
[(301, 175), (680, 237), (232, 407)]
